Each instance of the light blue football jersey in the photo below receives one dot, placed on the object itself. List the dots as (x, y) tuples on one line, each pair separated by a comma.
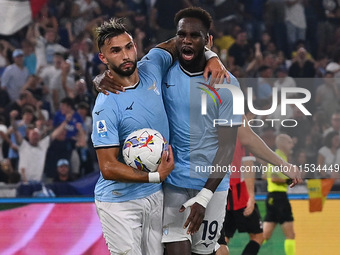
[(116, 116), (193, 136)]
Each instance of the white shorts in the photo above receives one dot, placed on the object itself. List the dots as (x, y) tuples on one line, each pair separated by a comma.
[(202, 242), (133, 227)]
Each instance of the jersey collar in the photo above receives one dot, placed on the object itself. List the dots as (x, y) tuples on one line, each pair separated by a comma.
[(190, 73)]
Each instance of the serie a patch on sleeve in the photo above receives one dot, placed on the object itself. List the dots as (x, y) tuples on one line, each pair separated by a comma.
[(101, 128)]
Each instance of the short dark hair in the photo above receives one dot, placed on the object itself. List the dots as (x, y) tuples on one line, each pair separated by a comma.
[(194, 12), (109, 29), (68, 101), (263, 68), (328, 139), (83, 105), (28, 109)]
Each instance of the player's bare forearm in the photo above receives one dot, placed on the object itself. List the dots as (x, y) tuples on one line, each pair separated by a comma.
[(227, 139), (255, 145), (112, 169), (170, 46), (278, 180), (249, 179), (224, 156)]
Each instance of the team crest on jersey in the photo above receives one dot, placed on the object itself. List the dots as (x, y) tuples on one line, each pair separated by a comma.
[(154, 88), (101, 128)]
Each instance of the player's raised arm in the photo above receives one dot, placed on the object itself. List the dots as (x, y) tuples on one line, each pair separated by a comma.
[(258, 147)]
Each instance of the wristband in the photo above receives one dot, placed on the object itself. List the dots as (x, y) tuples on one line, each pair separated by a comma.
[(203, 197), (98, 79), (210, 54), (289, 181), (154, 177)]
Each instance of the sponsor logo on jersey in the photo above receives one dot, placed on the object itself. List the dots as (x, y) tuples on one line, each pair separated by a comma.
[(129, 107), (97, 113)]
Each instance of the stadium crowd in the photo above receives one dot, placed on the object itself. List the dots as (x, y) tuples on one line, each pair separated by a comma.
[(47, 69)]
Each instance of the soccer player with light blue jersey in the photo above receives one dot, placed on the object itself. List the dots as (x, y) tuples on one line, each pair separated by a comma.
[(199, 146), (129, 201)]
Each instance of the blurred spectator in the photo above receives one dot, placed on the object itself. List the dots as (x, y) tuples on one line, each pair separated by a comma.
[(82, 95), (32, 152), (162, 18), (312, 145), (30, 59), (62, 84), (275, 24), (283, 80), (240, 53), (300, 131), (15, 75), (19, 126), (304, 68), (301, 44), (3, 134), (70, 116), (63, 172), (257, 61), (4, 101), (327, 95), (253, 11), (143, 34), (84, 149), (5, 46), (86, 54), (320, 125), (295, 21), (329, 154), (25, 98), (265, 84), (270, 59), (278, 116), (225, 37), (265, 40), (108, 7), (47, 73), (34, 85), (334, 66), (7, 174), (320, 66), (83, 12), (46, 45), (335, 124), (46, 19), (226, 11), (59, 148), (300, 158)]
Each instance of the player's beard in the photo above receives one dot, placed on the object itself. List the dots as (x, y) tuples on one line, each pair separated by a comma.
[(119, 70), (193, 64)]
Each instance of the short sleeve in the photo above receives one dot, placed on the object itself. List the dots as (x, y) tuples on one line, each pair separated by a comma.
[(158, 60), (105, 125)]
